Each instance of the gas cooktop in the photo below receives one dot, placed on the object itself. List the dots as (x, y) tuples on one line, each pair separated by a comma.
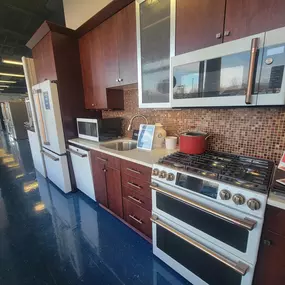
[(246, 172)]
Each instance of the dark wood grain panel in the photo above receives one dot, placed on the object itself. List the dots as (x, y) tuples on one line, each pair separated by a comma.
[(137, 217), (111, 161), (114, 191), (136, 170), (127, 44), (270, 267), (197, 23), (108, 36), (244, 18), (275, 220), (99, 178), (136, 198), (138, 185)]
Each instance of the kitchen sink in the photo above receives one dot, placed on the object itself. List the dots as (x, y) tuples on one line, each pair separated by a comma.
[(121, 146)]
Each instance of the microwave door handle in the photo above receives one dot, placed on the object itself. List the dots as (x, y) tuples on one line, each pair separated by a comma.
[(253, 55), (41, 120), (239, 266)]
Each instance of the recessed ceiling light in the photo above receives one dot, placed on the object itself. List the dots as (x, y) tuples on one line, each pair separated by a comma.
[(4, 86), (12, 62), (7, 81), (12, 74)]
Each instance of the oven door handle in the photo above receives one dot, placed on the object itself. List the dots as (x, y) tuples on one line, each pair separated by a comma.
[(239, 266), (243, 223)]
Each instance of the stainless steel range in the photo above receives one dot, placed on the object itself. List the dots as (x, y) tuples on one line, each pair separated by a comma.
[(208, 213)]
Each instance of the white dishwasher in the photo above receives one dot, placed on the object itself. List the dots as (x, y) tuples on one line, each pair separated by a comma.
[(81, 162)]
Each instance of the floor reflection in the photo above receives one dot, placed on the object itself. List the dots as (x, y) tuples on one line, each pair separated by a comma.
[(47, 237)]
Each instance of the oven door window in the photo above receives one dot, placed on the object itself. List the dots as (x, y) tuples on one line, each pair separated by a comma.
[(209, 269), (219, 229), (87, 129), (218, 77)]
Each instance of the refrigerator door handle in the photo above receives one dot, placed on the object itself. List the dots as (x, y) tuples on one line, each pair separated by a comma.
[(41, 119), (50, 156)]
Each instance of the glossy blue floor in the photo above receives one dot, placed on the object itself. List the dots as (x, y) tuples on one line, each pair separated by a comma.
[(47, 237)]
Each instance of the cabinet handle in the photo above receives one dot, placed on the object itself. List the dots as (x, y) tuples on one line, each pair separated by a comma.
[(267, 242), (76, 153), (135, 199), (121, 79), (218, 35), (134, 171), (253, 54), (227, 33), (117, 80), (134, 185), (105, 170), (102, 159), (92, 105), (135, 219)]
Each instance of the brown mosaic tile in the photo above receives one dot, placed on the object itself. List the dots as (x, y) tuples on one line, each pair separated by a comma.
[(258, 132)]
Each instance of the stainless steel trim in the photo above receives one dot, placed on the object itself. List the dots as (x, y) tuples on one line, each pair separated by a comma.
[(102, 159), (134, 185), (135, 199), (50, 156), (245, 223), (132, 170), (76, 153), (135, 219), (253, 54), (239, 267)]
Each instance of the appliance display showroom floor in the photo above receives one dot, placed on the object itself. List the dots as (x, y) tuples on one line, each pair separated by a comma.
[(47, 237)]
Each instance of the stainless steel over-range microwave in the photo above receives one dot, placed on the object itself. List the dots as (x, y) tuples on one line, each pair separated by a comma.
[(244, 72)]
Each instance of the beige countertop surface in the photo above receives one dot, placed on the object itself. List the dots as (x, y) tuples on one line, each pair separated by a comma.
[(143, 157)]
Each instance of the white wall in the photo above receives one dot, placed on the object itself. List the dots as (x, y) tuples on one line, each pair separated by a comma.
[(77, 12)]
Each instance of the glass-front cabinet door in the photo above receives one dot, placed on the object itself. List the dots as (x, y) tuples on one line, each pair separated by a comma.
[(155, 43), (219, 75)]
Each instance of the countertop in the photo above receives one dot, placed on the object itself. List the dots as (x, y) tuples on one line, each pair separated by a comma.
[(143, 157), (276, 200)]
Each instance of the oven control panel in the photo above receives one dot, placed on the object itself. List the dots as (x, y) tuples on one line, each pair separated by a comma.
[(239, 198)]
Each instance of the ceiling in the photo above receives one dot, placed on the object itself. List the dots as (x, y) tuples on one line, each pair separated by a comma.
[(19, 19)]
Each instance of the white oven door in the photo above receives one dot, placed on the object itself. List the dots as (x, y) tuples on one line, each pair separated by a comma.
[(88, 129), (196, 259), (227, 228)]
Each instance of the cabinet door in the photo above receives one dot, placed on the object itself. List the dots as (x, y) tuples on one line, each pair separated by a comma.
[(153, 20), (127, 44), (108, 36), (98, 71), (113, 179), (271, 260), (199, 24), (99, 178), (244, 18), (44, 59), (86, 68)]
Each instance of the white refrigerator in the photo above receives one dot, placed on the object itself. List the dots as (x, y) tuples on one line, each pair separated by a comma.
[(33, 134), (51, 133)]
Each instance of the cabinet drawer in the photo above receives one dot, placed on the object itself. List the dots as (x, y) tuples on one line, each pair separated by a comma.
[(137, 185), (136, 198), (136, 170), (108, 160), (274, 220), (137, 217)]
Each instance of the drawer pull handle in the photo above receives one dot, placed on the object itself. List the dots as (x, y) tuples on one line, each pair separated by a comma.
[(134, 185), (102, 159), (135, 199), (135, 219), (134, 171)]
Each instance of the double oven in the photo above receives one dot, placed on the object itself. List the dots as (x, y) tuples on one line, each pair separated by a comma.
[(201, 237)]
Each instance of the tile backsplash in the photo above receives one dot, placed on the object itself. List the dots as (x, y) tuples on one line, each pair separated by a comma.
[(258, 132)]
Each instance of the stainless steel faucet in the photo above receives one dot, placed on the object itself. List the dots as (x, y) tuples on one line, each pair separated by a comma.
[(136, 116)]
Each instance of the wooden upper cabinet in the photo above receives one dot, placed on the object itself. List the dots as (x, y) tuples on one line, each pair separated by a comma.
[(43, 56), (108, 37), (245, 18), (199, 24), (127, 44), (85, 60)]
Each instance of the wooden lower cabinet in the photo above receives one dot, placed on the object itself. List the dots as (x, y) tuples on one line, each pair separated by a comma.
[(270, 267), (137, 217), (114, 191)]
